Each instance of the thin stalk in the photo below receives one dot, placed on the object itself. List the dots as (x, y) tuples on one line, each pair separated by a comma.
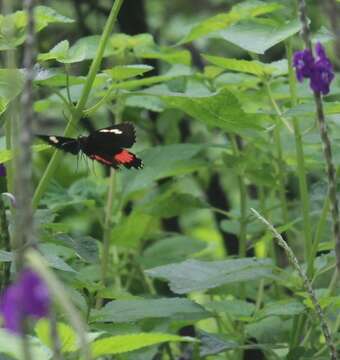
[(78, 112), (38, 263), (307, 285), (5, 243), (281, 175), (243, 203), (301, 169)]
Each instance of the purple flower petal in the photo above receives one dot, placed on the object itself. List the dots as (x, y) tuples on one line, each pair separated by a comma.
[(2, 170), (303, 62), (27, 297)]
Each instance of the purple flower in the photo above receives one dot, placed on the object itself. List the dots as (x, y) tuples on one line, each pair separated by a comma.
[(2, 170), (303, 62), (28, 296), (319, 70)]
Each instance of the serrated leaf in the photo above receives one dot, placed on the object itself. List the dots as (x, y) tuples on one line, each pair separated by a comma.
[(121, 311), (193, 275), (221, 21), (124, 343), (67, 336), (258, 37)]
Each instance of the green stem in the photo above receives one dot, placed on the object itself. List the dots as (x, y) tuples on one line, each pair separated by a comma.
[(77, 114), (301, 169), (243, 203)]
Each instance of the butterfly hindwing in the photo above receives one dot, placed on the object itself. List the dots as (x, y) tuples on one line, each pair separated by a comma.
[(63, 143), (121, 158)]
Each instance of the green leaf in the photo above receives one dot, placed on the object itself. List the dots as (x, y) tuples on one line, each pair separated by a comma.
[(13, 26), (64, 54), (172, 203), (212, 344), (123, 72), (234, 308), (244, 10), (171, 249), (193, 275), (121, 311), (67, 336), (131, 229), (258, 37), (124, 343), (281, 308), (45, 15), (160, 162), (11, 84), (12, 345), (7, 155), (247, 66), (221, 109)]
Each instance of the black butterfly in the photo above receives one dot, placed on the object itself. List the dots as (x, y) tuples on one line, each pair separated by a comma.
[(106, 145)]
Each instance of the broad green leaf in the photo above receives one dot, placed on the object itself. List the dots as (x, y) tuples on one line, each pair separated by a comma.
[(234, 308), (258, 37), (64, 54), (11, 84), (124, 343), (244, 10), (7, 155), (173, 203), (269, 330), (86, 247), (145, 102), (171, 249), (131, 229), (248, 66), (121, 311), (123, 72), (212, 344), (67, 336), (160, 162), (193, 275), (13, 26), (12, 345), (56, 78), (221, 109), (281, 308), (45, 15), (308, 109)]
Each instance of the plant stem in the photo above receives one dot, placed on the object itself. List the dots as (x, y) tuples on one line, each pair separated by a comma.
[(5, 243), (243, 202), (307, 285), (60, 294), (326, 142), (301, 170), (78, 113)]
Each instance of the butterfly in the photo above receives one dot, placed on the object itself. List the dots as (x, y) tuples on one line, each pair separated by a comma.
[(107, 145)]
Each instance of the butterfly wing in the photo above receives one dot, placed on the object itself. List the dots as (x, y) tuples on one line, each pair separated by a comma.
[(113, 137), (121, 158), (63, 143)]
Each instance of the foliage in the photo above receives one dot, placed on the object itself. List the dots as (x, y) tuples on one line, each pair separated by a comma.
[(168, 262)]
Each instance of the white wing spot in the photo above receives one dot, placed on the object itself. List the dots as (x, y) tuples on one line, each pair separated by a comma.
[(53, 139), (115, 131)]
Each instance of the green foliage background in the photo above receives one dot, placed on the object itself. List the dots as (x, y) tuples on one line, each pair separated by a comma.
[(168, 262)]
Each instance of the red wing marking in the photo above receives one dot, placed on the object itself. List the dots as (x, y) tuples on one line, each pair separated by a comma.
[(100, 159), (124, 157)]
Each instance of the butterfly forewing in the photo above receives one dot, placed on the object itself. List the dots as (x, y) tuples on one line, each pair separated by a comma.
[(116, 136), (63, 143)]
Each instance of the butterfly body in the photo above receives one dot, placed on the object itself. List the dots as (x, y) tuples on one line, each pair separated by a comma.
[(107, 146)]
